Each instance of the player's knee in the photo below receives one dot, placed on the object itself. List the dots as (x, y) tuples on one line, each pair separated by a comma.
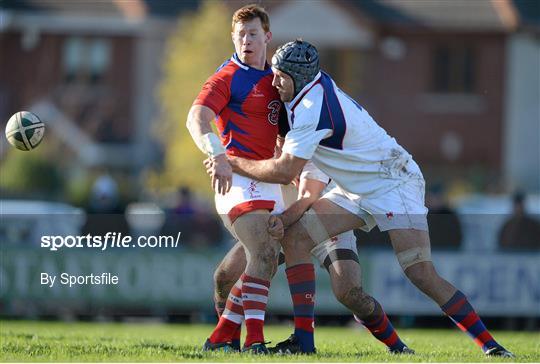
[(222, 283), (221, 277), (267, 255), (252, 229), (421, 274), (296, 238)]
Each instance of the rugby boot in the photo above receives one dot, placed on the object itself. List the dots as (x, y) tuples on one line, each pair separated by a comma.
[(289, 347), (226, 347), (499, 351), (256, 348), (405, 350)]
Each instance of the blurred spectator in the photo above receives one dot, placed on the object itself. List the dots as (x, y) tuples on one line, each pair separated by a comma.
[(104, 195), (520, 231), (444, 226), (199, 226), (185, 203), (105, 214)]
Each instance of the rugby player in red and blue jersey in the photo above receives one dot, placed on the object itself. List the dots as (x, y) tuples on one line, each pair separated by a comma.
[(246, 107)]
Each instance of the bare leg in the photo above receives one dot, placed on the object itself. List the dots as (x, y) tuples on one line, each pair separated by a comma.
[(297, 243), (347, 287), (227, 273), (261, 252), (423, 275), (452, 301)]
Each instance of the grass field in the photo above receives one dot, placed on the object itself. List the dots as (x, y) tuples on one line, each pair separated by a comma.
[(24, 341)]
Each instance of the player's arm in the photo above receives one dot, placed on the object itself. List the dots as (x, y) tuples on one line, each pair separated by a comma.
[(309, 191), (198, 123), (281, 170), (299, 146)]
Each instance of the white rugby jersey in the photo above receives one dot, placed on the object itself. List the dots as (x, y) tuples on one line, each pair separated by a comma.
[(342, 139)]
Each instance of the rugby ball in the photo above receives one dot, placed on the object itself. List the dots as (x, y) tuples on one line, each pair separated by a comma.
[(24, 130)]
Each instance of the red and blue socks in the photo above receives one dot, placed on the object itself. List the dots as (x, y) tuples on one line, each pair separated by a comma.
[(301, 280), (230, 318), (463, 315), (254, 299), (380, 326)]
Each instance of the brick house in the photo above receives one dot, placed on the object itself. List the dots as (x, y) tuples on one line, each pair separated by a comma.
[(89, 69), (456, 82), (440, 76)]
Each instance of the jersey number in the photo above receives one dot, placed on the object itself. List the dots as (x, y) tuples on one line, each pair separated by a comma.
[(273, 115)]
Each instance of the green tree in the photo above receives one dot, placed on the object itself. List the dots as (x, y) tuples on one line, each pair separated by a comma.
[(31, 174), (200, 43)]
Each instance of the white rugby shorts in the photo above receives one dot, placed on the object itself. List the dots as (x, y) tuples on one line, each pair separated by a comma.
[(400, 208), (247, 195)]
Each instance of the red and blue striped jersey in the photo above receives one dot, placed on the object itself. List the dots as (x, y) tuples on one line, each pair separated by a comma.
[(247, 106)]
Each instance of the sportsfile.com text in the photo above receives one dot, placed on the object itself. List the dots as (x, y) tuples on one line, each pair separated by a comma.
[(109, 240)]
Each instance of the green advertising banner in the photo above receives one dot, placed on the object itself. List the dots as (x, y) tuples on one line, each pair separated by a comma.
[(37, 281)]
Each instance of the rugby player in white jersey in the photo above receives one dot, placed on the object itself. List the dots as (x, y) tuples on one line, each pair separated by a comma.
[(373, 174), (337, 255)]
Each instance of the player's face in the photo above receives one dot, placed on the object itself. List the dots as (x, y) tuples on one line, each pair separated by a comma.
[(250, 42), (284, 84)]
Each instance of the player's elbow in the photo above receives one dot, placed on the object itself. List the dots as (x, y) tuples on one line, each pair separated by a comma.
[(189, 124), (190, 119)]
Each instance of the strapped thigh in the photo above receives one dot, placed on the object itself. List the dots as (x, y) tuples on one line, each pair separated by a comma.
[(413, 256), (340, 254), (314, 227)]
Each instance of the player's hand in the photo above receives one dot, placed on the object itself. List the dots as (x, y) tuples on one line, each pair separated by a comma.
[(208, 164), (221, 173), (275, 227)]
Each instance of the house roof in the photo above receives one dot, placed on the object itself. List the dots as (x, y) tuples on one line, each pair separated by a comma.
[(160, 8), (478, 15), (86, 7), (120, 17)]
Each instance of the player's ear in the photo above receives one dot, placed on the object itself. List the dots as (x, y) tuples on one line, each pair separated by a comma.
[(268, 37)]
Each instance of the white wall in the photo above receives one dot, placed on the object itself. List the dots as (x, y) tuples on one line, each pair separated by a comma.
[(522, 113)]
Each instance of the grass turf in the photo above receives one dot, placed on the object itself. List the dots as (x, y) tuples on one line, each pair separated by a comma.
[(24, 341)]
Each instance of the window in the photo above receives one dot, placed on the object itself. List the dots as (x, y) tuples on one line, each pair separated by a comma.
[(86, 58), (345, 66), (453, 69)]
